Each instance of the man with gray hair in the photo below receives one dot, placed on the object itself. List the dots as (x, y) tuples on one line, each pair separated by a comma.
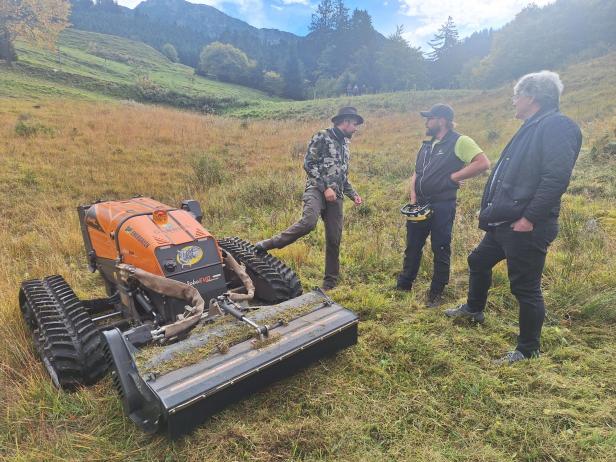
[(520, 208)]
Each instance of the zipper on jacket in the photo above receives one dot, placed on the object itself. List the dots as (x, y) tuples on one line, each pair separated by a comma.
[(426, 151)]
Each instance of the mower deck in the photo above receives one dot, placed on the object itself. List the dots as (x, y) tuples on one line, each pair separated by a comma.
[(178, 401)]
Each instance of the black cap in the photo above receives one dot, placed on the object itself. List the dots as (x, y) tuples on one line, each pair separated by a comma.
[(347, 112), (438, 111)]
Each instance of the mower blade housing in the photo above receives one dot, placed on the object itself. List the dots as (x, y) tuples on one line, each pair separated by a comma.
[(182, 399)]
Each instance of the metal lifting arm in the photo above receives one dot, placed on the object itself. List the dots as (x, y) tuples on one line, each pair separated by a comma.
[(229, 306)]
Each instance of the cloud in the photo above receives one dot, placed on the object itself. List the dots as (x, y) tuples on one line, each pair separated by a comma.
[(469, 15), (295, 2), (129, 3)]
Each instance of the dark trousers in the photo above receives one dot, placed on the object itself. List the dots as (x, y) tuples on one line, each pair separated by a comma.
[(525, 254), (315, 205), (439, 227)]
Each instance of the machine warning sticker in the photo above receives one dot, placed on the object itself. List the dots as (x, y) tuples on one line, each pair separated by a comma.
[(138, 237), (189, 255)]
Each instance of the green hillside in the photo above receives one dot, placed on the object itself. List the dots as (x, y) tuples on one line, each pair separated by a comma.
[(102, 66)]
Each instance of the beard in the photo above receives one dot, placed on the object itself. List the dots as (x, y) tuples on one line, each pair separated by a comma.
[(432, 131), (347, 134)]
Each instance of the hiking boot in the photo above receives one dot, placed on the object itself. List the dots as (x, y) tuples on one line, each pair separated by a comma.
[(404, 286), (326, 287), (434, 298), (514, 356), (462, 312)]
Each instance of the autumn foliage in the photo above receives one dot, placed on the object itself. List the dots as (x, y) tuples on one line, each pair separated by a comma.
[(37, 21)]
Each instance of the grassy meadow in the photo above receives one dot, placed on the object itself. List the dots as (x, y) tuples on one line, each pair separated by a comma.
[(416, 387)]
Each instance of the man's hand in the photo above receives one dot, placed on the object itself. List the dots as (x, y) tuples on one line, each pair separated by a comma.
[(478, 165), (357, 199), (330, 195), (522, 225), (455, 180)]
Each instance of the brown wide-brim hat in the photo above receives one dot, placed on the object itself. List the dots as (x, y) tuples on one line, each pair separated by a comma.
[(347, 112)]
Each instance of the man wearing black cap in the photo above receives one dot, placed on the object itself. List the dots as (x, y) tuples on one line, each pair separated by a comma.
[(327, 166), (443, 162)]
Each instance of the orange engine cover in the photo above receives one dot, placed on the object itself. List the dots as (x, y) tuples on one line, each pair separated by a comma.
[(126, 231)]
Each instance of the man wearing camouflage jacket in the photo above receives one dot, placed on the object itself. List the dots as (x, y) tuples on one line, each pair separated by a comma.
[(327, 166)]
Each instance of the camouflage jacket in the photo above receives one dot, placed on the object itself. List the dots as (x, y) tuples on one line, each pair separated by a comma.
[(327, 163)]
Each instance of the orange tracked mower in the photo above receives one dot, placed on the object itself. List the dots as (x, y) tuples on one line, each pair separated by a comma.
[(225, 320)]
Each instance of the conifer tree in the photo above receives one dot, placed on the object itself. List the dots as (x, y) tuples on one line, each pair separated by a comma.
[(340, 17), (444, 40), (445, 58), (293, 83), (323, 19)]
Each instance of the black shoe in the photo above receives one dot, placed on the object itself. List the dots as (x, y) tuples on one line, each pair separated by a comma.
[(326, 287), (404, 286), (434, 298), (260, 248), (515, 356), (462, 312)]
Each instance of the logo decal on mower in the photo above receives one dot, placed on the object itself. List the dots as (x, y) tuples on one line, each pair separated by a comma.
[(189, 255), (204, 279)]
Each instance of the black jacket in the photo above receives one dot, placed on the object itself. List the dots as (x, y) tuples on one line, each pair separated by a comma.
[(533, 171)]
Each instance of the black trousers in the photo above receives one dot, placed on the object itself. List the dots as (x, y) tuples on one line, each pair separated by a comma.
[(525, 254), (439, 227)]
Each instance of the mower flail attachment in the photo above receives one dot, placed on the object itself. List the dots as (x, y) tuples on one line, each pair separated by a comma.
[(177, 401)]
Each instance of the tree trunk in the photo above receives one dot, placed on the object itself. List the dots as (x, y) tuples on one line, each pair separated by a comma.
[(7, 50)]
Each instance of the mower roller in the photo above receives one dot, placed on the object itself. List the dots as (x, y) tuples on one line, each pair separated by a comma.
[(224, 319)]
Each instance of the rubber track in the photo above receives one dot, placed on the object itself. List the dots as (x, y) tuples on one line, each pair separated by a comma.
[(64, 332), (282, 281)]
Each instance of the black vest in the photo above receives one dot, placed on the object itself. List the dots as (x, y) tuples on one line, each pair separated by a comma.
[(434, 167)]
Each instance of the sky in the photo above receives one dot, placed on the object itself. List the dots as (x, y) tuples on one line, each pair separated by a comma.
[(420, 18)]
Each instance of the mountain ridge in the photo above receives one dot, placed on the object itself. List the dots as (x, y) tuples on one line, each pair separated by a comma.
[(183, 13), (187, 26)]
